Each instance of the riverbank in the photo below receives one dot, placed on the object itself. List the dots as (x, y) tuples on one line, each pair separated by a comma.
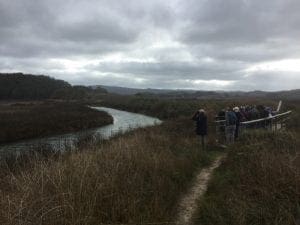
[(136, 178), (38, 119)]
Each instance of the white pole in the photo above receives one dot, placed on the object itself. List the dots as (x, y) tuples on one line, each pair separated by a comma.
[(279, 106)]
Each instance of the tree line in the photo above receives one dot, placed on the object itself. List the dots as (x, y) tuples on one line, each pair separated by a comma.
[(19, 86)]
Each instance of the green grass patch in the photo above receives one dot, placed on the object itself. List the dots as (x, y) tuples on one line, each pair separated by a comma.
[(258, 183)]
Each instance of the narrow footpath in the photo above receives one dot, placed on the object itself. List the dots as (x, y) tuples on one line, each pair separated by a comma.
[(188, 204)]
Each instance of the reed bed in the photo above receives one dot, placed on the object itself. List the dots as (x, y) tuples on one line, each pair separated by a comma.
[(21, 121), (136, 178)]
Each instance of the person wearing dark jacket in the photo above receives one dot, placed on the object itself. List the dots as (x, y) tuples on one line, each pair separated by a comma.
[(238, 121), (201, 125), (231, 120)]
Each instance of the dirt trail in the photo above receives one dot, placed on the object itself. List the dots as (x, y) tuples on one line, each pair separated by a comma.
[(188, 204)]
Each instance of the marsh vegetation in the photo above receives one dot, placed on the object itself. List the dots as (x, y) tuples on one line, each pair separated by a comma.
[(136, 178), (140, 176), (30, 120)]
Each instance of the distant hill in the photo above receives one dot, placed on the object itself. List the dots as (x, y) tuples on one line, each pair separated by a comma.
[(19, 86), (168, 93), (292, 94), (131, 91), (79, 92)]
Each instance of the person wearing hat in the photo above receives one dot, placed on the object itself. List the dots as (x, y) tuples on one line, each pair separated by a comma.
[(201, 125), (238, 121)]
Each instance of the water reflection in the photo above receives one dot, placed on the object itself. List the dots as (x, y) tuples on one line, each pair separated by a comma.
[(123, 121)]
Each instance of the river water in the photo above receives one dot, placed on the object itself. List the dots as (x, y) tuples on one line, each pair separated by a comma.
[(123, 121)]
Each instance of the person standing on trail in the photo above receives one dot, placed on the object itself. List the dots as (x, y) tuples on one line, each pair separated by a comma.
[(238, 121), (201, 125), (231, 121)]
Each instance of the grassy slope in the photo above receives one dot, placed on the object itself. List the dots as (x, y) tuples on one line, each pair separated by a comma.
[(20, 121), (259, 182), (135, 178)]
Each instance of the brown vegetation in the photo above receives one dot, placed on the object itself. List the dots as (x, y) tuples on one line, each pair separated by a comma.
[(259, 183), (20, 121), (132, 179), (174, 108), (138, 178)]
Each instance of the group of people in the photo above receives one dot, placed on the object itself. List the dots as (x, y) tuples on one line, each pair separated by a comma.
[(249, 112), (231, 118)]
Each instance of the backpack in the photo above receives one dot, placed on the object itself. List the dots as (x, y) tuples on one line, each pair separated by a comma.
[(232, 119)]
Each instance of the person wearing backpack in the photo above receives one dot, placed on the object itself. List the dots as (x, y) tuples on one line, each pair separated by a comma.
[(231, 121), (201, 125)]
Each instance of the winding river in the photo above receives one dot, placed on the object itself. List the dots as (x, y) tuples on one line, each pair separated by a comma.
[(123, 121)]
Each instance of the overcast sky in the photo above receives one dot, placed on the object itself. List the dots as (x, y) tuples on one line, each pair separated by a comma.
[(197, 44)]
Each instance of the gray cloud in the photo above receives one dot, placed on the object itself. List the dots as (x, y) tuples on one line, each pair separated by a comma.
[(36, 28), (266, 81), (175, 70), (203, 44), (236, 22)]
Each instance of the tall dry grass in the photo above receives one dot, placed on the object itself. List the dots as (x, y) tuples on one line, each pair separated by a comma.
[(258, 184), (132, 179)]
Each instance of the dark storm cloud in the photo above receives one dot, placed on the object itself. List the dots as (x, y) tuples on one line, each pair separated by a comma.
[(92, 31), (172, 43), (243, 29), (34, 28), (175, 70), (236, 22)]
